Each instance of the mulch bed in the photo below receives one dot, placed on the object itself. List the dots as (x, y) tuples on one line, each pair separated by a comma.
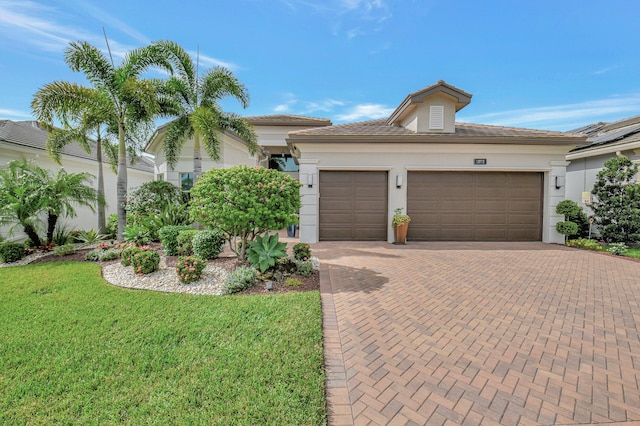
[(229, 263)]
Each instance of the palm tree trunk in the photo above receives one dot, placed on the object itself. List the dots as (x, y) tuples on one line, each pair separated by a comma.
[(101, 216), (52, 220), (33, 235), (197, 158), (121, 182)]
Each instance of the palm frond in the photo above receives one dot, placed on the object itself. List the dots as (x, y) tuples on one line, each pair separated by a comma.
[(241, 127), (219, 83), (183, 65), (206, 122), (178, 132), (59, 138), (82, 56)]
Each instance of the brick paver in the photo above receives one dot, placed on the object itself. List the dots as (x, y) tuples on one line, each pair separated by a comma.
[(479, 334)]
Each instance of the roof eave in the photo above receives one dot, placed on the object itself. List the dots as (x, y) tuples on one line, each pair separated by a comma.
[(445, 139)]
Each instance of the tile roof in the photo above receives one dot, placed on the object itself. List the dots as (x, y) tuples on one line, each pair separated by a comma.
[(600, 134), (463, 130), (287, 120), (30, 134)]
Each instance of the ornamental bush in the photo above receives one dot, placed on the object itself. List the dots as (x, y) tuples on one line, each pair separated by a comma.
[(169, 238), (242, 278), (127, 255), (152, 197), (304, 268), (302, 251), (185, 241), (11, 252), (616, 208), (585, 244), (64, 250), (145, 261), (189, 268), (208, 244), (244, 202)]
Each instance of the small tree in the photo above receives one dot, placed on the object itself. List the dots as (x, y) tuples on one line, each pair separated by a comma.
[(245, 202), (617, 205), (574, 218)]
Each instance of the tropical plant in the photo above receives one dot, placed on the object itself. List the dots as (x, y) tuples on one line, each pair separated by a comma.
[(11, 252), (201, 116), (240, 279), (617, 249), (208, 244), (137, 234), (122, 99), (62, 236), (244, 202), (302, 251), (83, 123), (89, 237), (265, 251), (64, 250), (27, 190), (169, 238), (189, 268), (616, 208)]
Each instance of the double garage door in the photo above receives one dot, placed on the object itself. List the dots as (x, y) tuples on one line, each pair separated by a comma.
[(444, 206)]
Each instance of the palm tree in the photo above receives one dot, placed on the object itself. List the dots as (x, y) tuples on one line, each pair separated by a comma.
[(119, 96), (201, 116), (80, 125), (62, 191), (27, 190), (21, 199)]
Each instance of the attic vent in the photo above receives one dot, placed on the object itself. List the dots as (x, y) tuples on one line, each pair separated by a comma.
[(436, 117)]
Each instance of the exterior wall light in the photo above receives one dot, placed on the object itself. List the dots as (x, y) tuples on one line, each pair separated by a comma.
[(398, 181), (559, 182)]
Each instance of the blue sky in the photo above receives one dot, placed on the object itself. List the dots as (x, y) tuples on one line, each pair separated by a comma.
[(539, 64)]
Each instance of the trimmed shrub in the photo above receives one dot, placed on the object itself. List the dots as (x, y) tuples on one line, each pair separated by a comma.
[(111, 254), (567, 228), (127, 255), (64, 250), (302, 251), (240, 279), (169, 238), (145, 261), (304, 268), (93, 255), (185, 241), (11, 252), (208, 244), (189, 268)]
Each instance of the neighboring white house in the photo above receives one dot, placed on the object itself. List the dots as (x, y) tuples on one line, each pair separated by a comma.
[(457, 181), (26, 140), (605, 141)]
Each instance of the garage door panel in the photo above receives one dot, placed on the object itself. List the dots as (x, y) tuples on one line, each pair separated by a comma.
[(353, 205), (484, 206)]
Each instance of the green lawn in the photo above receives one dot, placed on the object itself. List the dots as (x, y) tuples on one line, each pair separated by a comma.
[(633, 252), (75, 350)]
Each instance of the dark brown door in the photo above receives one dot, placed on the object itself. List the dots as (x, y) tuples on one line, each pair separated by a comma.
[(353, 206), (475, 206)]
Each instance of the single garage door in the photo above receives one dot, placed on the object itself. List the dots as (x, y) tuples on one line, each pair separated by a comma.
[(475, 206), (353, 206)]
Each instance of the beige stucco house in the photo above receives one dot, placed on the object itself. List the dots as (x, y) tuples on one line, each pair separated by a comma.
[(26, 140), (457, 181), (272, 132)]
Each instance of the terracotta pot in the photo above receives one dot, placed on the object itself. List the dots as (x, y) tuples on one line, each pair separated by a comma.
[(400, 233)]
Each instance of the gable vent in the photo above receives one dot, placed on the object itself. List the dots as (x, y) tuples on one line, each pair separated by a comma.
[(436, 117)]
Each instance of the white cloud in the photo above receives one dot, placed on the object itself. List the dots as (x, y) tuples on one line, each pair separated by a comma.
[(210, 62), (563, 117), (13, 114), (326, 105), (281, 108), (364, 112)]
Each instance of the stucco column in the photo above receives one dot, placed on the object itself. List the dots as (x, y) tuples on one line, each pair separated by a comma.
[(309, 194), (555, 190)]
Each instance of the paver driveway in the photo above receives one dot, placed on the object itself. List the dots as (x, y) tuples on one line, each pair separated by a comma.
[(479, 333)]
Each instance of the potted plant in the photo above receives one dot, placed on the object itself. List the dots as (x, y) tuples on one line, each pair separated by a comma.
[(400, 224)]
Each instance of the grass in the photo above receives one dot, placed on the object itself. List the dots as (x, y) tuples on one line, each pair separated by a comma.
[(75, 350), (633, 252)]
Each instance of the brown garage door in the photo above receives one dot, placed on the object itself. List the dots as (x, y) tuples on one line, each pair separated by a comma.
[(353, 206), (475, 206)]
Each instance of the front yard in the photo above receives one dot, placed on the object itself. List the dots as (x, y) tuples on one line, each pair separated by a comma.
[(77, 350)]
